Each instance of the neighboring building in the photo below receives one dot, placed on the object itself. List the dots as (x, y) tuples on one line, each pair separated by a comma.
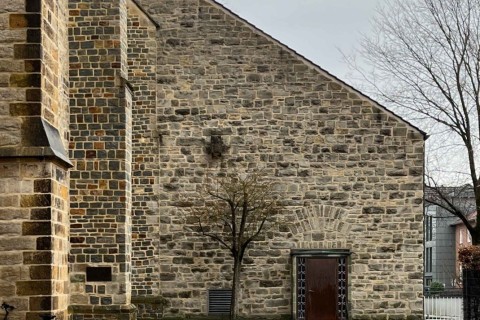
[(442, 237), (108, 113), (463, 239), (440, 251)]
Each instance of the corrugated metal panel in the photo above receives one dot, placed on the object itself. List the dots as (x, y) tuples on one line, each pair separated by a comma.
[(219, 301)]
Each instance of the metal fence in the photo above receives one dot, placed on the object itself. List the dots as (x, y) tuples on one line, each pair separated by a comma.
[(443, 308)]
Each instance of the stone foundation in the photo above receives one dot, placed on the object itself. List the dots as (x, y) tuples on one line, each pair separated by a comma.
[(124, 312)]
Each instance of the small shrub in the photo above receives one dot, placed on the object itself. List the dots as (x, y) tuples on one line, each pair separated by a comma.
[(470, 257), (436, 288)]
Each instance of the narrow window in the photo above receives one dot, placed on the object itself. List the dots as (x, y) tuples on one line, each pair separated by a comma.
[(428, 260), (429, 228)]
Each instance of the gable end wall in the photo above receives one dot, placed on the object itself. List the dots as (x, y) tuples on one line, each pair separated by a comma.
[(327, 146)]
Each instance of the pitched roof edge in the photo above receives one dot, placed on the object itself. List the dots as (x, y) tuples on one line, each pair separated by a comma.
[(315, 66), (149, 17)]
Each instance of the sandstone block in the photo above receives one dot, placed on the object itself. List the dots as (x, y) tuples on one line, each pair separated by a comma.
[(28, 288), (12, 6), (10, 131), (30, 20), (10, 229)]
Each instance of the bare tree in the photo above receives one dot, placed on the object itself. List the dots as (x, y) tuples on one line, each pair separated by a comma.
[(237, 208), (425, 59)]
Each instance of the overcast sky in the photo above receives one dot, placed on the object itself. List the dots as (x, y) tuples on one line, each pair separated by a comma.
[(317, 29)]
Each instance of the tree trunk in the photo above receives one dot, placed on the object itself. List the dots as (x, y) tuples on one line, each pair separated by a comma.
[(476, 225), (237, 265), (471, 294), (475, 236)]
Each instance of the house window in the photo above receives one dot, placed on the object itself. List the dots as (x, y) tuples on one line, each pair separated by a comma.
[(469, 237), (461, 236), (429, 228), (428, 281), (426, 285), (428, 260)]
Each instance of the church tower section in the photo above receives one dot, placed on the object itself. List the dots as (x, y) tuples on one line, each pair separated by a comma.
[(101, 151)]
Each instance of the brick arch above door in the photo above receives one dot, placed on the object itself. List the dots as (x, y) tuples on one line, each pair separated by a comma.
[(321, 226)]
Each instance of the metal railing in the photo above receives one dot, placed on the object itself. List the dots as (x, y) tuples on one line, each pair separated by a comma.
[(443, 308)]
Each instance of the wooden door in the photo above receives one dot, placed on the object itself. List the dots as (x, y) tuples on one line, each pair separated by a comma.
[(321, 286), (321, 289)]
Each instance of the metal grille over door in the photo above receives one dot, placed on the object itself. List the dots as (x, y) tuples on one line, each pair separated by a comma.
[(342, 288), (301, 289)]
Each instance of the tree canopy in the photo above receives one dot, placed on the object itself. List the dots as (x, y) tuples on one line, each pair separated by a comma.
[(236, 209), (425, 58)]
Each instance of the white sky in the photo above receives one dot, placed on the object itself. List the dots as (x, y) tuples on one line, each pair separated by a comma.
[(317, 29)]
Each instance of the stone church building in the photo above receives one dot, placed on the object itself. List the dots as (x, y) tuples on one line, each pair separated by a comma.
[(109, 111)]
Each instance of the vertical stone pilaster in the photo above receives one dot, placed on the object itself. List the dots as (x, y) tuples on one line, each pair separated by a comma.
[(34, 180), (34, 237), (142, 56), (100, 143)]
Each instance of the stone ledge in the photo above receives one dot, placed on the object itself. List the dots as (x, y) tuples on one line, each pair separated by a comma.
[(89, 309), (224, 317), (149, 300), (35, 152), (41, 140)]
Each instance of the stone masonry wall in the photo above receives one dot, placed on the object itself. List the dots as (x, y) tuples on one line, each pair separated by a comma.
[(34, 238), (100, 146), (34, 199), (19, 71), (350, 173), (35, 77), (54, 65), (142, 61)]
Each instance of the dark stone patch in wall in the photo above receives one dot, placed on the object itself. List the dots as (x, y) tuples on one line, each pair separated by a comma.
[(35, 200), (33, 95), (44, 257), (41, 214), (41, 272), (42, 185), (373, 210), (44, 243), (28, 288), (166, 80), (340, 148), (41, 303), (27, 51), (33, 5), (270, 283), (36, 228), (174, 42), (33, 66), (27, 109), (34, 36), (23, 80), (183, 260)]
